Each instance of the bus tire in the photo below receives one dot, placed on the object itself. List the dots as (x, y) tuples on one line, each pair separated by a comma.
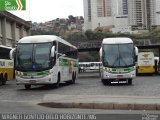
[(129, 81), (27, 87), (1, 79), (72, 81), (73, 78), (108, 82), (58, 81), (75, 75), (4, 80), (104, 81)]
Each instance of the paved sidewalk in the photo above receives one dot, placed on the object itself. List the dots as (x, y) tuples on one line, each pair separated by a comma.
[(101, 102)]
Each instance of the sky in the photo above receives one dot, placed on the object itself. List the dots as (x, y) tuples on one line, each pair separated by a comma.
[(46, 10)]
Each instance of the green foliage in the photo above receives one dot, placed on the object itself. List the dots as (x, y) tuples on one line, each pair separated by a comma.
[(71, 19), (75, 36), (99, 35), (155, 33), (89, 34), (41, 32)]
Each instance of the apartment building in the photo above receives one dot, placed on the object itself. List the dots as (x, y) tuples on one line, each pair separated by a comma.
[(121, 17), (12, 28), (122, 7), (110, 13), (157, 13), (98, 13), (143, 14), (135, 14)]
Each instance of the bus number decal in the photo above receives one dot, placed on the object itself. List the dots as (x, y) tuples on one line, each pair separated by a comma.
[(2, 63)]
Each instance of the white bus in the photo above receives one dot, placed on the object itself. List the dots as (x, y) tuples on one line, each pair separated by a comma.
[(118, 60), (6, 65), (83, 66), (95, 65), (45, 59)]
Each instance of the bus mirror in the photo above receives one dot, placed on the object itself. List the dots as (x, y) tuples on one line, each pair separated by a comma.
[(11, 54), (63, 55), (53, 51)]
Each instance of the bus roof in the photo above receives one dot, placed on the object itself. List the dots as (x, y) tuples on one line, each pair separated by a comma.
[(43, 38), (2, 46), (118, 40)]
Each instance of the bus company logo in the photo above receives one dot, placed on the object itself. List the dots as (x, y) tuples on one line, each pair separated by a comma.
[(12, 5), (2, 63), (146, 55)]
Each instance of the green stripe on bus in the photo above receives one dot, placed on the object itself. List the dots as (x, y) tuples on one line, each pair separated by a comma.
[(36, 73)]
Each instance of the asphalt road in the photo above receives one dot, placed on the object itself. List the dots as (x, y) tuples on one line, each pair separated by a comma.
[(142, 86), (29, 108), (15, 99)]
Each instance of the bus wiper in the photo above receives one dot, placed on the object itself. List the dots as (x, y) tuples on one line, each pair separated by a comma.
[(119, 59), (21, 67), (115, 61), (120, 56)]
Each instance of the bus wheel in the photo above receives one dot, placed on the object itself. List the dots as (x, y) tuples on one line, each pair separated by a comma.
[(73, 78), (104, 81), (1, 79), (58, 81), (27, 87), (129, 81), (4, 80)]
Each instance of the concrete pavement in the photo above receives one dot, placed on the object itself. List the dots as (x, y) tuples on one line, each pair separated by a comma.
[(89, 74), (101, 102)]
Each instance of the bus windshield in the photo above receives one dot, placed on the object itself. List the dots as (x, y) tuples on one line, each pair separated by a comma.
[(33, 57), (118, 55)]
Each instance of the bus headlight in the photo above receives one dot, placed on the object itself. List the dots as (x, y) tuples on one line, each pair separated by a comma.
[(108, 69), (19, 73)]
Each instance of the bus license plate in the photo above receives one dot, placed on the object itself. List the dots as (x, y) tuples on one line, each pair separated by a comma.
[(119, 76), (32, 81)]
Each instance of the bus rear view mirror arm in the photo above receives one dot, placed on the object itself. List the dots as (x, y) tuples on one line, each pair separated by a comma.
[(53, 51), (11, 54), (59, 54)]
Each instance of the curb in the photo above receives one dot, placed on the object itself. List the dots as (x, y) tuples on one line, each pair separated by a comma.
[(108, 106)]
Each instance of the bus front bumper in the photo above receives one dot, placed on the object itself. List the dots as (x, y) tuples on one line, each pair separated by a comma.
[(106, 75), (35, 81)]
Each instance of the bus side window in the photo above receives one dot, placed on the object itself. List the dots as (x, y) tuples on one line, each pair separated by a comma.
[(4, 53)]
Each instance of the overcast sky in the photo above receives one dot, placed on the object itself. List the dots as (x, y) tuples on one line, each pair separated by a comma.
[(45, 10)]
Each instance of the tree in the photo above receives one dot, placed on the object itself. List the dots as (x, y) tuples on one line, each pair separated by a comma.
[(71, 19), (89, 34), (155, 33)]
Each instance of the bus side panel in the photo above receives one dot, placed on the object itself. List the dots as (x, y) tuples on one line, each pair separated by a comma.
[(6, 67), (67, 68), (146, 62), (9, 72), (146, 69)]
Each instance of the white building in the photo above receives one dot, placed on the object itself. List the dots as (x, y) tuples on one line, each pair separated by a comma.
[(98, 13), (157, 12), (121, 24), (122, 7), (121, 18), (143, 14), (12, 28)]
